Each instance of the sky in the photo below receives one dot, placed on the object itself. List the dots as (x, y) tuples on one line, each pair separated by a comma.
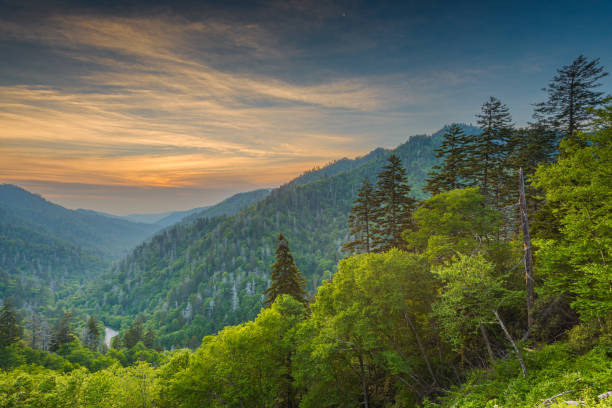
[(150, 106)]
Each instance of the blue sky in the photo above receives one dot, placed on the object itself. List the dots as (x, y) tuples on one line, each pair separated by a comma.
[(139, 106)]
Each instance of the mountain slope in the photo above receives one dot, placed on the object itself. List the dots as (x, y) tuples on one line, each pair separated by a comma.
[(103, 236), (194, 279), (48, 252)]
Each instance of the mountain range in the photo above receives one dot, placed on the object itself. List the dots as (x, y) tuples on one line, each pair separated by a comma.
[(207, 270)]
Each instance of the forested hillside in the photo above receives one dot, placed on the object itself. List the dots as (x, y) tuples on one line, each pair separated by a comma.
[(48, 252), (194, 279), (105, 237)]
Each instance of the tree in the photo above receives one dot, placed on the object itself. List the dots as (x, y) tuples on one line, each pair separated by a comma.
[(361, 220), (134, 334), (447, 175), (244, 365), (394, 206), (456, 221), (570, 93), (470, 297), (10, 332), (62, 334), (92, 334), (485, 155), (369, 339), (149, 338), (286, 277), (529, 147), (578, 189)]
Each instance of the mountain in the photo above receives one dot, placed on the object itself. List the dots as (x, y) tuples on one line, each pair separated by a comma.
[(231, 205), (47, 251), (195, 278)]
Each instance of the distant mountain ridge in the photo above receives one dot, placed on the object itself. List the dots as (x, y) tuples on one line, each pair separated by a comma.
[(105, 237)]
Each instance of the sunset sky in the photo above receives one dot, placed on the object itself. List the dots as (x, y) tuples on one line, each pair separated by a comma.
[(149, 106)]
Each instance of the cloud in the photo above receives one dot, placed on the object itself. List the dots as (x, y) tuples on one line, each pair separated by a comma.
[(154, 107)]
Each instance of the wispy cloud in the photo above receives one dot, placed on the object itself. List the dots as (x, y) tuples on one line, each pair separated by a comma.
[(159, 109)]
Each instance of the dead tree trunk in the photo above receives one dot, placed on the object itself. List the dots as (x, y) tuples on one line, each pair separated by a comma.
[(487, 343), (509, 337), (528, 256)]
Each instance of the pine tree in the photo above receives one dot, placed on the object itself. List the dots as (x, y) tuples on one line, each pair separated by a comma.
[(570, 93), (447, 175), (361, 220), (149, 338), (286, 277), (92, 334), (62, 333), (134, 334), (529, 148), (394, 206), (10, 332), (486, 152)]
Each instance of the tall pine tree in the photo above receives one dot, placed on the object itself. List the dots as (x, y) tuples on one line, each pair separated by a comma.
[(92, 334), (62, 333), (10, 332), (394, 206), (448, 175), (485, 155), (361, 220), (570, 93), (286, 277)]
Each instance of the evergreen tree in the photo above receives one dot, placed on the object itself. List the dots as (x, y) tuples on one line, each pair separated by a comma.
[(92, 334), (394, 206), (361, 220), (62, 333), (149, 338), (447, 175), (529, 147), (10, 332), (485, 155), (570, 93), (134, 334), (286, 277)]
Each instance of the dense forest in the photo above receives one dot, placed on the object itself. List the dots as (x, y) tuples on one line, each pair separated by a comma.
[(466, 269)]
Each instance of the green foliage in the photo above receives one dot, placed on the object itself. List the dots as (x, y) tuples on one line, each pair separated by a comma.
[(579, 190), (243, 365), (552, 370), (359, 329), (456, 221), (471, 292)]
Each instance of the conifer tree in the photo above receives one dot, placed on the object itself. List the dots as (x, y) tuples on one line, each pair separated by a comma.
[(570, 93), (134, 334), (485, 154), (62, 333), (529, 147), (10, 332), (92, 336), (361, 220), (447, 175), (394, 206), (149, 338), (286, 277)]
